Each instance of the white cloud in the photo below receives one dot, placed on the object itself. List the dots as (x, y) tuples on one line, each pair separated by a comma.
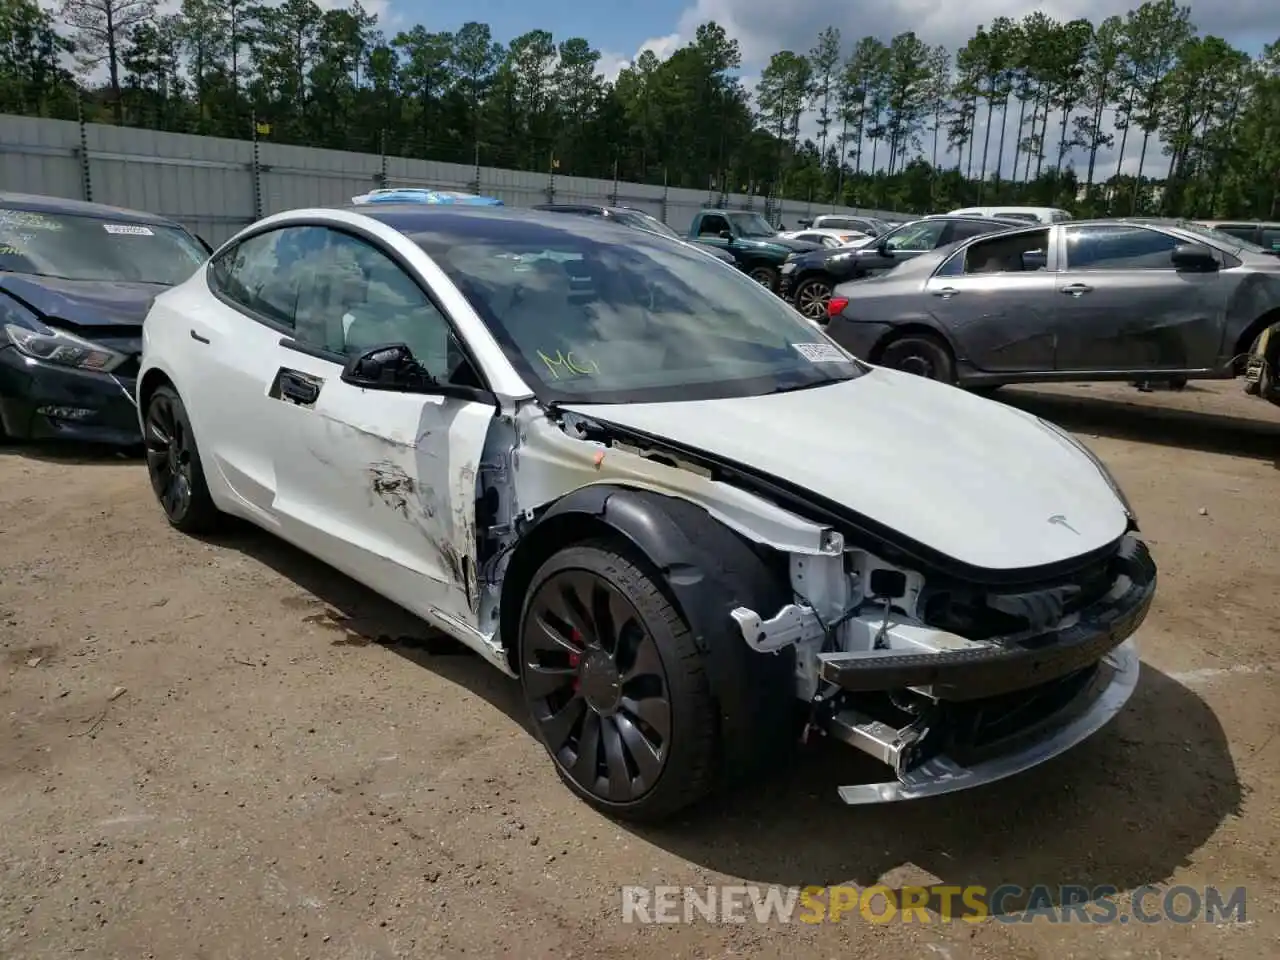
[(611, 64), (761, 31)]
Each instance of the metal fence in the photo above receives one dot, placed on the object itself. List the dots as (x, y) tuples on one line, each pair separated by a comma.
[(215, 186)]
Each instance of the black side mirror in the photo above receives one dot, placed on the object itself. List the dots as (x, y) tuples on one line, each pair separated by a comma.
[(390, 366), (726, 235), (1194, 256), (882, 248)]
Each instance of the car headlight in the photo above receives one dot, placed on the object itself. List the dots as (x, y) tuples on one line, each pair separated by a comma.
[(788, 267), (68, 350), (1097, 462)]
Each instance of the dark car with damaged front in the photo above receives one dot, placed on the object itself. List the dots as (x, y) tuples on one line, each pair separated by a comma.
[(76, 280)]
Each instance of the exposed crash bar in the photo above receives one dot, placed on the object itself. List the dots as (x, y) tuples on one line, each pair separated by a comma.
[(1073, 723)]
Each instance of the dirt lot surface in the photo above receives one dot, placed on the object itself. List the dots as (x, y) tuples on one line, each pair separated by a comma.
[(226, 750)]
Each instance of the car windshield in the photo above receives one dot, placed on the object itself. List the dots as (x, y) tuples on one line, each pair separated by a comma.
[(1220, 239), (921, 235), (642, 221), (588, 319), (75, 247), (751, 225)]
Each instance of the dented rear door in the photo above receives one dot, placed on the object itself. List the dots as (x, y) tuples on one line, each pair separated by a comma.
[(381, 484)]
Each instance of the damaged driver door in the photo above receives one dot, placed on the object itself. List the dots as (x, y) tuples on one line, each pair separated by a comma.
[(379, 480)]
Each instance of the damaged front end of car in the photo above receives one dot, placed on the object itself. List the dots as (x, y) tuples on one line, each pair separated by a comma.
[(949, 677), (953, 686)]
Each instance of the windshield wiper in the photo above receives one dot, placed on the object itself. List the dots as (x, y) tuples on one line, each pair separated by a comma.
[(793, 387)]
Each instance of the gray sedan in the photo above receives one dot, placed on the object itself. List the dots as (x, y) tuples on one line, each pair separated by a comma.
[(1087, 300)]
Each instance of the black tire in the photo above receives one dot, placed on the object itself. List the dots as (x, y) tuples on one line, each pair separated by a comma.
[(1178, 382), (657, 753), (922, 354), (1252, 388), (764, 275), (174, 466), (812, 296), (1267, 384)]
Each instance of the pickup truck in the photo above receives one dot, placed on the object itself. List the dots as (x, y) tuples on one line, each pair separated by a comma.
[(750, 239)]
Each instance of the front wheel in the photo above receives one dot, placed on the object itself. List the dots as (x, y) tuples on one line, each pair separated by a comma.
[(812, 298), (922, 355), (173, 463), (615, 685), (765, 276)]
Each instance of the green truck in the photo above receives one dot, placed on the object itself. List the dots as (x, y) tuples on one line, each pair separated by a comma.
[(750, 239)]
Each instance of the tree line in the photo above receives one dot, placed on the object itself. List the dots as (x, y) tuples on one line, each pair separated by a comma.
[(1026, 111)]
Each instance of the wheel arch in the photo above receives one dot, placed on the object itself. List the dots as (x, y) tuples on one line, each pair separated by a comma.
[(1245, 342), (705, 569), (152, 380), (907, 328)]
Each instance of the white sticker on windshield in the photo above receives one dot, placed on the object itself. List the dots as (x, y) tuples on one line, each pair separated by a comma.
[(820, 352), (130, 229)]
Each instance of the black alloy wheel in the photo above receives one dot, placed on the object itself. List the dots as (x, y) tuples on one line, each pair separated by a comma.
[(615, 685), (173, 464), (922, 355), (812, 298), (596, 673)]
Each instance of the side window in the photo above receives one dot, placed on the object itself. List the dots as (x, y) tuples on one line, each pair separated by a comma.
[(712, 225), (964, 229), (1118, 248), (262, 274), (1018, 253), (1270, 238), (359, 298), (1243, 232)]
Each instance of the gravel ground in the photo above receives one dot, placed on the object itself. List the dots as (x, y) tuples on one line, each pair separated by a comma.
[(226, 750)]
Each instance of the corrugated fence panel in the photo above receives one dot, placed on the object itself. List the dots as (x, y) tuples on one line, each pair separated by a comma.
[(208, 184), (40, 156), (295, 177), (204, 183)]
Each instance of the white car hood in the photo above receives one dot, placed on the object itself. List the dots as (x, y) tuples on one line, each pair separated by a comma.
[(973, 479)]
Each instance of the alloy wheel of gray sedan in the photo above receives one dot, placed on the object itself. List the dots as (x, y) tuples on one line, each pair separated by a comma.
[(812, 299)]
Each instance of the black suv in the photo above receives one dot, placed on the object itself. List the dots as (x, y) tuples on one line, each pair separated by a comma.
[(808, 279)]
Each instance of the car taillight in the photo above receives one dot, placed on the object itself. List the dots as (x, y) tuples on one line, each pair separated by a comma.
[(836, 305)]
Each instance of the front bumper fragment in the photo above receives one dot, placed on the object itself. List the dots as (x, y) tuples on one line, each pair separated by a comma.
[(1016, 662), (45, 401), (1109, 688)]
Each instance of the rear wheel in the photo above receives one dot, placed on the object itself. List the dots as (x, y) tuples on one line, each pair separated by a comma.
[(764, 275), (173, 463), (812, 297), (921, 354), (615, 685)]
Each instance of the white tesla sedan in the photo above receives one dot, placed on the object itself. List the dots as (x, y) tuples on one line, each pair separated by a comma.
[(693, 527)]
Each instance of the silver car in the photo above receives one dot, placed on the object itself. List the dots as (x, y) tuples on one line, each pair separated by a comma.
[(1085, 300)]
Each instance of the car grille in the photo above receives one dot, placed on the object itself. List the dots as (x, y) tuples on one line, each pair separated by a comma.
[(982, 614)]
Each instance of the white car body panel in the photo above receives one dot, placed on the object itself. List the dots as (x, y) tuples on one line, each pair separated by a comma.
[(981, 481), (382, 485), (842, 238)]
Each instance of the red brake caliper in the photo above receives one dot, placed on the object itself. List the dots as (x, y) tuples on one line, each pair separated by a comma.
[(575, 637)]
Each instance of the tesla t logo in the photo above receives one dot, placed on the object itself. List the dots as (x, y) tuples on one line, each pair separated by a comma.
[(1061, 521)]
